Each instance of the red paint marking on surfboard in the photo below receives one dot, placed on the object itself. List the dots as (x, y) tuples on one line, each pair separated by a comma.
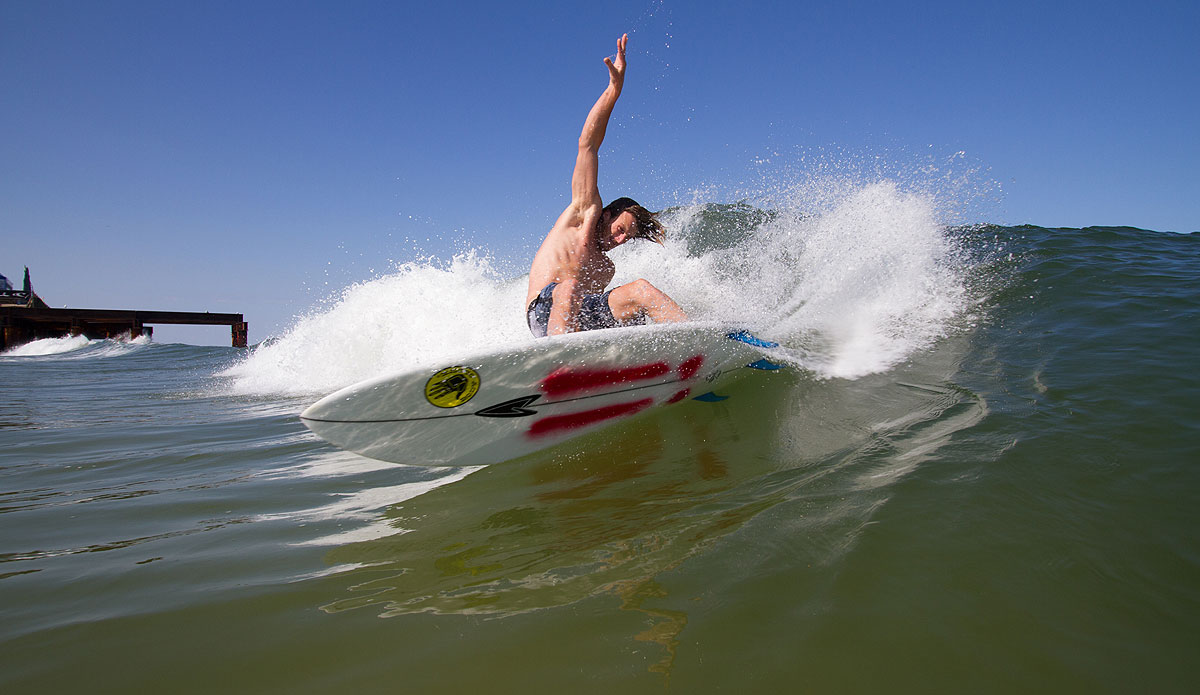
[(688, 369), (679, 396), (568, 380), (572, 421)]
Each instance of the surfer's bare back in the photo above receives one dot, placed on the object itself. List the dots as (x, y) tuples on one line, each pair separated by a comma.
[(572, 268)]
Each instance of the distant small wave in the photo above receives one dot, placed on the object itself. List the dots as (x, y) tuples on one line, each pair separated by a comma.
[(78, 346), (49, 346)]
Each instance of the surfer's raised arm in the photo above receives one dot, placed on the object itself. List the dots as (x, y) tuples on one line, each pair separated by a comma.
[(585, 191), (571, 269)]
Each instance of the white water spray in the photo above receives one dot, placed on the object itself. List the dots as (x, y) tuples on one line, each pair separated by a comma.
[(855, 276)]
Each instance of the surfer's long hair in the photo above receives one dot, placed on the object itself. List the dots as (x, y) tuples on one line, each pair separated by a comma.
[(647, 225)]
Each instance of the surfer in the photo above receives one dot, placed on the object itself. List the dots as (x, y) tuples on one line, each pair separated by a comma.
[(572, 268)]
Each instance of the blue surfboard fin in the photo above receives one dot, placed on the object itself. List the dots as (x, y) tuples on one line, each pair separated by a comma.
[(750, 339), (765, 365), (710, 397)]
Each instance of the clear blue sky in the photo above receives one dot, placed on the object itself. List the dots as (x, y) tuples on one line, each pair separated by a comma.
[(236, 156)]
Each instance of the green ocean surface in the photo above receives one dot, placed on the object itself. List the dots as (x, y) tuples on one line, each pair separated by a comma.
[(1013, 507)]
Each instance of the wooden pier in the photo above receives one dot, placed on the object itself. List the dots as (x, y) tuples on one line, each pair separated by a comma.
[(24, 317), (22, 324)]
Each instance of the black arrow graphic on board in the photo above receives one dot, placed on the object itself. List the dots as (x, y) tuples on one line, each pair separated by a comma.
[(517, 407)]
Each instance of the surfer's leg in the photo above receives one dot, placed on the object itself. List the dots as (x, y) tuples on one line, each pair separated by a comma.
[(639, 298), (595, 313), (538, 313)]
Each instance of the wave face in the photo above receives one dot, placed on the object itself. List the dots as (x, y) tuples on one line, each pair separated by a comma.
[(984, 480)]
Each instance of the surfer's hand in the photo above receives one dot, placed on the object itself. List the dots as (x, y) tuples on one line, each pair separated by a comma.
[(616, 70)]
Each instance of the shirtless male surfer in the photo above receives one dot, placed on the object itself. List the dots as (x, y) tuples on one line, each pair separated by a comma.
[(572, 268)]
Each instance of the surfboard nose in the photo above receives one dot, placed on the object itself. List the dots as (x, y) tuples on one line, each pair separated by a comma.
[(322, 409)]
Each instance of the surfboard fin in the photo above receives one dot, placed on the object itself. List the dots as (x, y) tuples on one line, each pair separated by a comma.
[(765, 365), (710, 397), (750, 339)]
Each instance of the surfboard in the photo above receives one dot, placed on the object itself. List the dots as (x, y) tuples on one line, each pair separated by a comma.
[(510, 402)]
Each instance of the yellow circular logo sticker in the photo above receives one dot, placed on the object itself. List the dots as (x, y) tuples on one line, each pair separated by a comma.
[(452, 387)]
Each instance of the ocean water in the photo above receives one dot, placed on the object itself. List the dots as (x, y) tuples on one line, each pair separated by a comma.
[(984, 476)]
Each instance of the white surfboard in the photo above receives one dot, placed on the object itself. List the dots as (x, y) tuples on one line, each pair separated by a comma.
[(504, 404)]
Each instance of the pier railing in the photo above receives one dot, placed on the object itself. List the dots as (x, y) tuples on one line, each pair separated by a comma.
[(14, 296)]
